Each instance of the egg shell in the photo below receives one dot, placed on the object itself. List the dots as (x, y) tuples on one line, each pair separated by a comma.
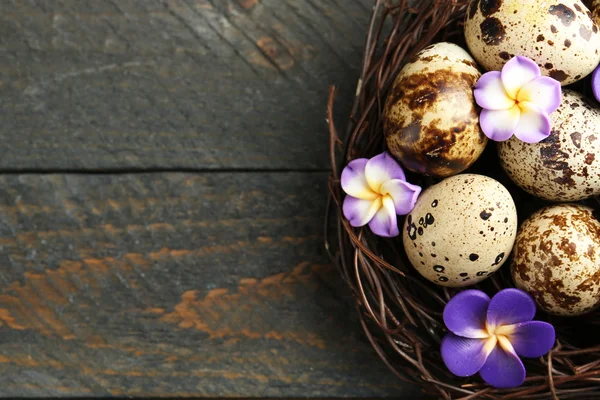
[(461, 230), (559, 35), (595, 9), (431, 122), (556, 259), (566, 165)]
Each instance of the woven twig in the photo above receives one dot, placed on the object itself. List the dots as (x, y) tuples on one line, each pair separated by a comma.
[(400, 312)]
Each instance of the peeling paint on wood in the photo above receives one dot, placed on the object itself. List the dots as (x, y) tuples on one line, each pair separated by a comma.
[(209, 284)]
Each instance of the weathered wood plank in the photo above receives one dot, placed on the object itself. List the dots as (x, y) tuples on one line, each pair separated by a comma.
[(93, 84), (175, 284)]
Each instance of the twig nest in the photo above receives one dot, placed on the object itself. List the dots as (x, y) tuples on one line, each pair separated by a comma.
[(431, 121), (463, 229), (559, 35), (556, 259), (566, 165)]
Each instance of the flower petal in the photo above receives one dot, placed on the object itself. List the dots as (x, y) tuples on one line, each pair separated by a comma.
[(500, 125), (544, 92), (509, 306), (385, 222), (381, 169), (517, 72), (403, 194), (465, 314), (534, 124), (503, 369), (354, 181), (490, 93), (463, 356), (359, 212), (532, 339), (596, 83)]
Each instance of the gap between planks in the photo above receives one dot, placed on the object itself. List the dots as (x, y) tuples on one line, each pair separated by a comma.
[(132, 171)]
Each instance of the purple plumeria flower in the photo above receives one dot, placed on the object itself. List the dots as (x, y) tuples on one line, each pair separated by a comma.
[(517, 101), (377, 191), (488, 336), (596, 83)]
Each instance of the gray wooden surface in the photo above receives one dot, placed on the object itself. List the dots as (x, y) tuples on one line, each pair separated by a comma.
[(99, 84), (163, 172)]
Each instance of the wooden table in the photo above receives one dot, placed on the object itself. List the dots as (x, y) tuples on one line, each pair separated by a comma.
[(163, 187)]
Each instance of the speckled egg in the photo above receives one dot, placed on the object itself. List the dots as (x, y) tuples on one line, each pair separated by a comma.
[(566, 165), (461, 230), (556, 259), (595, 8), (559, 35), (431, 123)]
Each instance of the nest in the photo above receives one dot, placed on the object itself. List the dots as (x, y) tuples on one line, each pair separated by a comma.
[(401, 313)]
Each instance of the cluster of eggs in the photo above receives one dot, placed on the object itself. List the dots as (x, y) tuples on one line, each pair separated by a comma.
[(464, 228)]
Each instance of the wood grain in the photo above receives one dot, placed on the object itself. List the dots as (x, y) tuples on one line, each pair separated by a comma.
[(175, 284), (159, 243), (173, 84)]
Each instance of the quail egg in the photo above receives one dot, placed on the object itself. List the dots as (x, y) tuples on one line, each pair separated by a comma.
[(461, 230), (566, 165), (556, 258), (559, 35), (431, 122)]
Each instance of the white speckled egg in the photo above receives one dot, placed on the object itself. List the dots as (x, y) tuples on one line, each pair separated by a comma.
[(431, 122), (559, 35), (556, 259), (461, 230), (566, 165)]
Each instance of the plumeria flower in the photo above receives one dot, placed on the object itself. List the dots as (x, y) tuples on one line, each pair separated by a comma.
[(488, 336), (596, 83), (517, 101), (377, 191)]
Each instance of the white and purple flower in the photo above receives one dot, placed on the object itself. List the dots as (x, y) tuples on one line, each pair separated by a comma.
[(377, 191), (517, 101), (596, 83), (488, 336)]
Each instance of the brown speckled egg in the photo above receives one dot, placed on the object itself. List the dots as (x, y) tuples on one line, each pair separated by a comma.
[(556, 259), (595, 8), (566, 165), (431, 122), (461, 230), (559, 35)]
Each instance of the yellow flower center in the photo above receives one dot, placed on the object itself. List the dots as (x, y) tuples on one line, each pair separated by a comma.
[(499, 335)]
